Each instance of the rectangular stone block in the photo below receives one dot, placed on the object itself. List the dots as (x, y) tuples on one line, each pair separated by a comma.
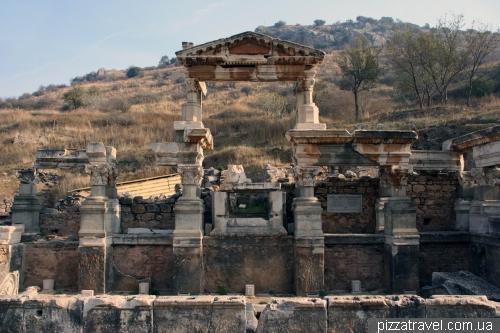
[(188, 268), (61, 314), (309, 265), (95, 268), (186, 314), (294, 315), (108, 313), (401, 264), (11, 234)]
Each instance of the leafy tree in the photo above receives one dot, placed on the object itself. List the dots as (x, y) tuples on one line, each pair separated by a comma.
[(319, 23), (164, 62), (133, 71), (360, 69), (272, 104), (74, 97), (279, 24), (247, 90), (480, 45)]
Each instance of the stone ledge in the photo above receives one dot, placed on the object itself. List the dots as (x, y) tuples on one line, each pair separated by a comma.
[(485, 239), (334, 239), (445, 237), (142, 239)]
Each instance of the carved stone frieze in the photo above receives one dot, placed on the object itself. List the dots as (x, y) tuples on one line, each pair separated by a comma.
[(190, 174), (26, 176), (9, 283)]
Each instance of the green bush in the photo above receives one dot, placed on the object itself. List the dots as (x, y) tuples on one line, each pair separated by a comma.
[(279, 24), (133, 71), (484, 88), (319, 23), (74, 97)]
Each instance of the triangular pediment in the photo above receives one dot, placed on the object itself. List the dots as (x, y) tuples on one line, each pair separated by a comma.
[(249, 48)]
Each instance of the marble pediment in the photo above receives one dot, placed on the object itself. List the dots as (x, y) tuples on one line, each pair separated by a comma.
[(248, 56)]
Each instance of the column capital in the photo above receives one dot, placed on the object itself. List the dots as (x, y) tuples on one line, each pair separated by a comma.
[(306, 175), (99, 174), (26, 176), (190, 174), (307, 81), (390, 176)]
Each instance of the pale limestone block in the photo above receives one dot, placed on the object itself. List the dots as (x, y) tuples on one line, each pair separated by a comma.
[(11, 234)]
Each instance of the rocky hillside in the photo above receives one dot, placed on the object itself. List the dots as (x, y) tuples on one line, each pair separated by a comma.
[(335, 36)]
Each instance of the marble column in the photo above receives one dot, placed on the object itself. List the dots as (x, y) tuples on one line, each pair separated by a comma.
[(486, 201), (307, 111), (188, 233), (309, 265), (26, 206)]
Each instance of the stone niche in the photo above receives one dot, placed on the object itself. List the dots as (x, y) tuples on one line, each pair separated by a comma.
[(249, 209)]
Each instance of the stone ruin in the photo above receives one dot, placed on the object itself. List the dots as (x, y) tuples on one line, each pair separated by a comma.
[(309, 230)]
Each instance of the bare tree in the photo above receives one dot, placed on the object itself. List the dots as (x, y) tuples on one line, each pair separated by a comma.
[(403, 54), (441, 54), (480, 45), (360, 69)]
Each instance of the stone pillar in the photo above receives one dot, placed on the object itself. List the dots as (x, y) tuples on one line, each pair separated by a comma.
[(307, 111), (26, 206), (401, 255), (463, 203), (309, 266), (99, 221), (188, 233), (486, 201), (191, 110)]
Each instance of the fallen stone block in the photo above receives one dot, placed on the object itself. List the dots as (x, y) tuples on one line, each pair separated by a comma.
[(467, 283)]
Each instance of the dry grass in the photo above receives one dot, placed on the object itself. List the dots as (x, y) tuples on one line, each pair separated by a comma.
[(243, 134)]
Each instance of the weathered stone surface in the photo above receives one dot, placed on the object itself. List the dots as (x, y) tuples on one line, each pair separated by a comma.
[(266, 262), (468, 284), (132, 314), (346, 262), (440, 256), (11, 234), (94, 268), (461, 307), (178, 314), (51, 260), (293, 316), (58, 314), (9, 283), (143, 262)]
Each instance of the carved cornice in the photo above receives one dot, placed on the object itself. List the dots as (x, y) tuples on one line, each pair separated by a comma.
[(467, 142), (273, 50)]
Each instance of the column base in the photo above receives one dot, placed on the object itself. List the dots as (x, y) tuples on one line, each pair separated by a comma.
[(480, 212), (26, 210)]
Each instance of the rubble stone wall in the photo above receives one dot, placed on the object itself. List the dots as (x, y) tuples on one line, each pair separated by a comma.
[(346, 262), (442, 257), (62, 223), (337, 223), (51, 260), (434, 195)]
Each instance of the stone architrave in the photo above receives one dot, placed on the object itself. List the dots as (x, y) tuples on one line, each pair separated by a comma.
[(26, 206)]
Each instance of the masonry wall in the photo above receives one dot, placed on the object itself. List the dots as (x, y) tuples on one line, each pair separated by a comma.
[(132, 263), (442, 257), (337, 223), (266, 262), (62, 223), (485, 258), (346, 262), (434, 195), (51, 260)]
